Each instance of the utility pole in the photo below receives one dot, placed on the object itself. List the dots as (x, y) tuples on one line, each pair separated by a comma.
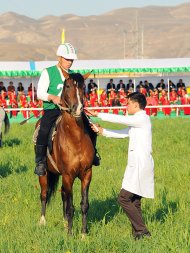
[(137, 35), (142, 42), (124, 44)]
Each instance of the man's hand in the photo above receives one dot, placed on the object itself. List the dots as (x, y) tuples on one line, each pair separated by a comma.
[(96, 128), (91, 112), (54, 99)]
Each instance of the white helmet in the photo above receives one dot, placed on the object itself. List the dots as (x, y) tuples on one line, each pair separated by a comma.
[(67, 51)]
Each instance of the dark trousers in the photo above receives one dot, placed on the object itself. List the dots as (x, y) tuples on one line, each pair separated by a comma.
[(46, 123), (131, 204)]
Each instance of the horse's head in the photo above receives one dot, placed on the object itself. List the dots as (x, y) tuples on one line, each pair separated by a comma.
[(73, 92)]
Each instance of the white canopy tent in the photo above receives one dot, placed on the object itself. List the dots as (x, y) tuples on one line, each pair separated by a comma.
[(132, 68), (100, 67)]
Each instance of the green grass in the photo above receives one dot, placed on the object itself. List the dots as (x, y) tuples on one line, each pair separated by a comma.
[(167, 216)]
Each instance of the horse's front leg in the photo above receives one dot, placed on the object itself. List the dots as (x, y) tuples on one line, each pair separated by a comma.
[(43, 197), (85, 183), (67, 198)]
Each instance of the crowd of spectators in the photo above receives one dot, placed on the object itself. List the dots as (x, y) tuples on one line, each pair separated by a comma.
[(158, 94), (12, 97), (114, 95)]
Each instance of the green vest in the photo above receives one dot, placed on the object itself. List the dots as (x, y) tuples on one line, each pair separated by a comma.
[(55, 86)]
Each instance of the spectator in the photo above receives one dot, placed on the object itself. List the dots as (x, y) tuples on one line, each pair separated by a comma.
[(171, 85), (166, 110), (3, 91), (130, 85), (163, 96), (110, 86), (184, 98), (112, 97), (32, 91), (140, 85), (20, 91), (173, 96), (120, 85), (13, 103), (148, 86), (11, 87), (93, 97), (152, 100), (161, 85), (181, 84), (143, 90), (103, 97), (92, 86)]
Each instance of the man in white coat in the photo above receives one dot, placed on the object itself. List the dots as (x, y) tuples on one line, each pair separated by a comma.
[(138, 180)]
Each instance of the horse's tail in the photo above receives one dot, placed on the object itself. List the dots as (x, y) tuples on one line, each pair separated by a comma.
[(7, 123), (53, 180)]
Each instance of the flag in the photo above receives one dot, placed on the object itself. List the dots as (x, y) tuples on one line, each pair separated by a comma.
[(63, 36)]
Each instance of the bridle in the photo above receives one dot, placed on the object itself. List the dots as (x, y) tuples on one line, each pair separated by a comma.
[(68, 107)]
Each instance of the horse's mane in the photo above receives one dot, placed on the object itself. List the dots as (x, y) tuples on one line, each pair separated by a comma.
[(78, 78)]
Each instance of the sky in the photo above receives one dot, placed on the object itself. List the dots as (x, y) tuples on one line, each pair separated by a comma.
[(40, 8)]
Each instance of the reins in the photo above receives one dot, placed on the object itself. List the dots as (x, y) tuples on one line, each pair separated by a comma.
[(62, 108)]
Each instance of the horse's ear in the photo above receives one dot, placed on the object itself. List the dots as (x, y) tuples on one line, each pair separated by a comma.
[(85, 76), (65, 74)]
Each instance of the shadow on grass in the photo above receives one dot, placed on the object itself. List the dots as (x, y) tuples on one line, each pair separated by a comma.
[(168, 208), (103, 210), (8, 168), (12, 142)]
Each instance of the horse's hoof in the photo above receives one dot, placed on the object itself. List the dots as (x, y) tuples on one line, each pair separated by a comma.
[(42, 221)]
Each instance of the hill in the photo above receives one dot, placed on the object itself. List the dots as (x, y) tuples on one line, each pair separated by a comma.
[(149, 32)]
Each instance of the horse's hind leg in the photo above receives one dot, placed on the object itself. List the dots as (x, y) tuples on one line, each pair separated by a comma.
[(67, 198), (84, 202), (43, 196)]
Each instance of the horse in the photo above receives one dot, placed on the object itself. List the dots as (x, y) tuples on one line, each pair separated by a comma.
[(3, 118), (72, 154)]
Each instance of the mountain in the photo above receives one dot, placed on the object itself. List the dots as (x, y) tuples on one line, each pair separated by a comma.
[(149, 32)]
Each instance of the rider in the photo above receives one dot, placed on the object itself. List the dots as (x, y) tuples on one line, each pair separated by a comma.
[(49, 90)]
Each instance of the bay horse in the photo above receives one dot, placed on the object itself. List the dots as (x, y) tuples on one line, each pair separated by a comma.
[(72, 153), (3, 118)]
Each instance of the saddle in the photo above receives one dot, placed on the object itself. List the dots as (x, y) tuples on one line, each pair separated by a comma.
[(51, 137)]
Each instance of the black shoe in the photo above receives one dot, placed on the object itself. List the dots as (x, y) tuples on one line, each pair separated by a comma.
[(140, 235), (97, 158), (96, 161), (40, 169)]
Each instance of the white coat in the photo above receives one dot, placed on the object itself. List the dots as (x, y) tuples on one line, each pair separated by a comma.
[(139, 173)]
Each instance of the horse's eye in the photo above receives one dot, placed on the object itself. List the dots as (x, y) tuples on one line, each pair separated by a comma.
[(67, 85)]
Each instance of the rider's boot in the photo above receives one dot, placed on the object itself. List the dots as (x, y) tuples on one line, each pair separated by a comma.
[(41, 162), (97, 158)]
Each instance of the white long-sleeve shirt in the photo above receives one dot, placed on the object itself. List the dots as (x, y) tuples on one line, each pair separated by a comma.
[(43, 85), (139, 173)]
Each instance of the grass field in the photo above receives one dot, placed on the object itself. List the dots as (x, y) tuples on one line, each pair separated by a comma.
[(167, 216)]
